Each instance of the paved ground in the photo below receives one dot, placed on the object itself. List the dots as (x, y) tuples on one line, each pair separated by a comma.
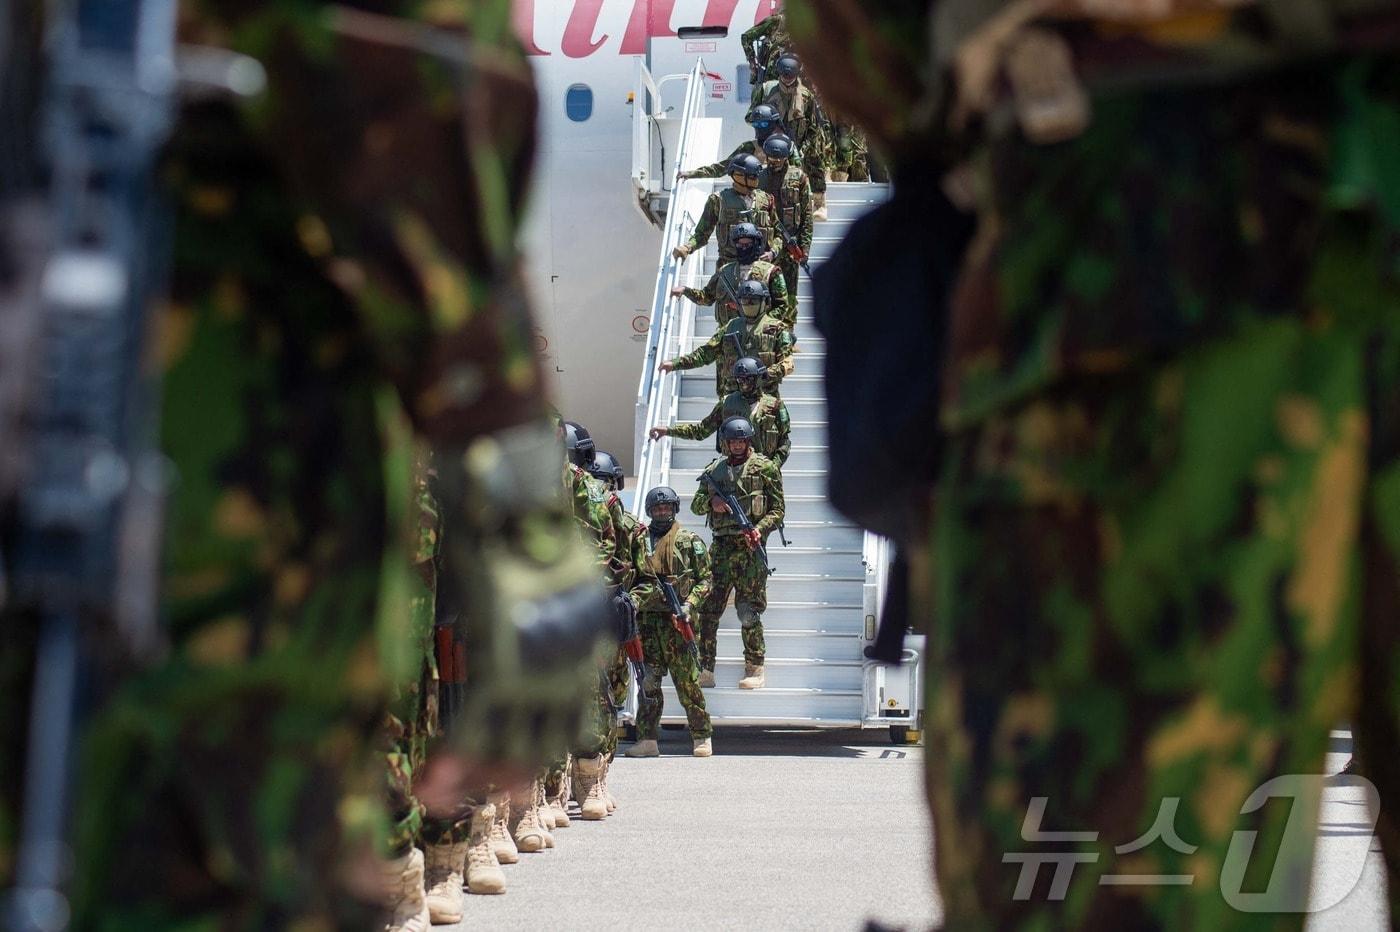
[(806, 830)]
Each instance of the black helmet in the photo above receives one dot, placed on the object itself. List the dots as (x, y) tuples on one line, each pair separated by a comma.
[(748, 368), (765, 121), (579, 444), (742, 230), (788, 65), (752, 290), (736, 428), (777, 146), (662, 495), (745, 165), (606, 470)]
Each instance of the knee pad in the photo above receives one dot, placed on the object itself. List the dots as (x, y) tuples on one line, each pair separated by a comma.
[(747, 616)]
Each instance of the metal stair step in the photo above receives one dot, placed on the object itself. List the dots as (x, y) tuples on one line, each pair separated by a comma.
[(808, 411), (699, 383), (699, 453), (774, 705), (779, 673)]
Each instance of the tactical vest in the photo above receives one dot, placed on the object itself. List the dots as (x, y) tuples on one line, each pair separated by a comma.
[(791, 110), (759, 341), (680, 571), (733, 209), (746, 484), (787, 195), (762, 413), (759, 271)]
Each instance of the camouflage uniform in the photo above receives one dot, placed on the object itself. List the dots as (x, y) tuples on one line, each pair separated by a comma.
[(725, 208), (801, 115), (1169, 519), (721, 169), (772, 428), (687, 568), (792, 199), (758, 485), (765, 338), (734, 273), (774, 30), (849, 152), (332, 289), (628, 527)]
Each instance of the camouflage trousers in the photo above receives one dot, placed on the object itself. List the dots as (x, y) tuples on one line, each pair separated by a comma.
[(1155, 593), (737, 569), (600, 727), (790, 269), (665, 651), (618, 677)]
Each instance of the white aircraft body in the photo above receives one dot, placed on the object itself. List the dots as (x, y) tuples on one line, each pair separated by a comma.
[(592, 253)]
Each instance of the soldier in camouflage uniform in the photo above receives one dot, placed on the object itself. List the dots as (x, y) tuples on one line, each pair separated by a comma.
[(801, 113), (764, 44), (753, 333), (748, 244), (850, 158), (740, 203), (768, 415), (736, 564), (1168, 529), (792, 199), (665, 550), (765, 122), (345, 260)]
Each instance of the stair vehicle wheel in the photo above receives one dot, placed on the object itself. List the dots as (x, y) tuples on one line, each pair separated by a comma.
[(899, 734)]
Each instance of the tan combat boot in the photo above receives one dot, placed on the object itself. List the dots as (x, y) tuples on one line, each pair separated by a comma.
[(546, 815), (559, 803), (501, 842), (645, 747), (403, 887), (837, 175), (588, 788), (483, 870), (444, 866), (753, 676), (703, 748), (707, 678), (526, 825), (819, 205), (607, 793)]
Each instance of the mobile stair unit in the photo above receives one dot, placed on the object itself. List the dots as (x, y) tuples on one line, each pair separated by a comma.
[(828, 586)]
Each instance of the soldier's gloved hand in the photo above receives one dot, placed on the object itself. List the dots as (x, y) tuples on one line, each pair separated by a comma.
[(537, 621), (680, 252)]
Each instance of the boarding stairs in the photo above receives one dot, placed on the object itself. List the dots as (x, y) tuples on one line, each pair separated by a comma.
[(827, 588)]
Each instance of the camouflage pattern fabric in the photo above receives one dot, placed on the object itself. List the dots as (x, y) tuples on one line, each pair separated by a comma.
[(720, 169), (849, 152), (765, 338), (758, 485), (1167, 543), (792, 196), (769, 416), (774, 30), (344, 261), (735, 273), (680, 557), (800, 113), (722, 210)]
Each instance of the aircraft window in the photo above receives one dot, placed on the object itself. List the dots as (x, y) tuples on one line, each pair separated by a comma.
[(578, 102)]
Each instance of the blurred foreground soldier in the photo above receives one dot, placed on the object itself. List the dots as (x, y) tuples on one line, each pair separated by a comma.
[(765, 122), (803, 121), (768, 415), (741, 202), (753, 333), (738, 554), (723, 287), (345, 277), (1168, 519), (792, 203), (667, 555)]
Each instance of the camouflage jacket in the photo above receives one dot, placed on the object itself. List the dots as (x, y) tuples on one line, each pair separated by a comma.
[(797, 108), (758, 485), (736, 273), (773, 29), (766, 338), (721, 168), (768, 415), (792, 196), (725, 208), (688, 570), (595, 516)]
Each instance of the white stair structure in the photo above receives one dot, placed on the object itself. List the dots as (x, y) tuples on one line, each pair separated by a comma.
[(827, 588)]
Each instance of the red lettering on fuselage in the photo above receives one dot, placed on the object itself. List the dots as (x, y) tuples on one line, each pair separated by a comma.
[(522, 17), (578, 34), (650, 19)]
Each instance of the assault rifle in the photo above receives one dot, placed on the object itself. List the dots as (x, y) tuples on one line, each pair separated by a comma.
[(451, 653), (679, 618), (732, 504), (790, 245), (632, 647), (729, 292), (88, 515), (759, 74)]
